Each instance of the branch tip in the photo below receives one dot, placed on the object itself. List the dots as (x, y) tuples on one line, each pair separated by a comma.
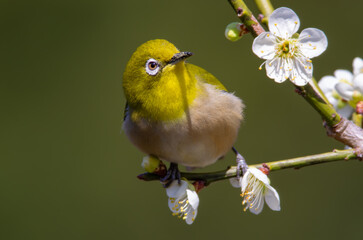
[(300, 91), (141, 176)]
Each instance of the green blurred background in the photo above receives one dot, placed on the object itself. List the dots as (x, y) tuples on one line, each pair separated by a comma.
[(66, 171)]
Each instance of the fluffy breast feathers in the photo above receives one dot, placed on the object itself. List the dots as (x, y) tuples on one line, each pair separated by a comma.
[(205, 133)]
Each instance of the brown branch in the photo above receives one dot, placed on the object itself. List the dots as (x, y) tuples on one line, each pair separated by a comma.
[(349, 134)]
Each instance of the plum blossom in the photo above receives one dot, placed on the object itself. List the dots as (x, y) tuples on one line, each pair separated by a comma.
[(286, 55), (345, 89), (183, 200), (327, 85), (256, 189)]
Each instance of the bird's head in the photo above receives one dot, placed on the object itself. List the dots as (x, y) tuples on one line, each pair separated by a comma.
[(152, 62)]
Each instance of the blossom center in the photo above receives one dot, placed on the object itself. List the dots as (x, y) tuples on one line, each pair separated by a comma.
[(287, 48)]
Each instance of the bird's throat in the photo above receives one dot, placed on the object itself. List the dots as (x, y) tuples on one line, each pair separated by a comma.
[(171, 97)]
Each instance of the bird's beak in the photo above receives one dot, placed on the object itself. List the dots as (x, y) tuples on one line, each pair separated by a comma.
[(181, 56)]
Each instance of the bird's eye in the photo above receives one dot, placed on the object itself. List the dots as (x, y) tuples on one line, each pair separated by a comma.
[(152, 67)]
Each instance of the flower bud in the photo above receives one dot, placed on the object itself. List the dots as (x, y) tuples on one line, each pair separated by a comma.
[(150, 163), (234, 31), (359, 108)]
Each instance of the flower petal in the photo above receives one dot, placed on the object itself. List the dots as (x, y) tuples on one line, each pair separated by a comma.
[(345, 111), (272, 198), (193, 198), (302, 71), (244, 181), (313, 42), (283, 22), (345, 90), (278, 69), (357, 65), (259, 175), (175, 190), (191, 217), (257, 209), (333, 101), (327, 84), (358, 82), (235, 182), (264, 45), (282, 70), (343, 75)]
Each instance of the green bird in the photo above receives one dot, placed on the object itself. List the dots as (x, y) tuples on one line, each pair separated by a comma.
[(176, 111)]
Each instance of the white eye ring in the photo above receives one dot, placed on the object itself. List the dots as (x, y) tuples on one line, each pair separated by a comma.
[(152, 67)]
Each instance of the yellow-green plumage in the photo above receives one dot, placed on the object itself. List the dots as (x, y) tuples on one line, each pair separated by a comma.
[(182, 114)]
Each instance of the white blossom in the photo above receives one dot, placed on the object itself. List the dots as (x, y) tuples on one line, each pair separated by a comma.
[(351, 91), (328, 84), (286, 55), (256, 189), (183, 200), (357, 66), (345, 89)]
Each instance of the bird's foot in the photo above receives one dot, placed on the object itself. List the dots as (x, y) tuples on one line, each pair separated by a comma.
[(241, 164), (172, 174)]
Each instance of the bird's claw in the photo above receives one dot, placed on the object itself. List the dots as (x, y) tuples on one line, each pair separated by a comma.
[(241, 165), (172, 174)]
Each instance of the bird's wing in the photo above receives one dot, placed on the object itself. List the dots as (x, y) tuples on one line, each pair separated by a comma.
[(126, 110), (204, 76)]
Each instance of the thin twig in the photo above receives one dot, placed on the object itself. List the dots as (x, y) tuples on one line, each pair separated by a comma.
[(296, 163)]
